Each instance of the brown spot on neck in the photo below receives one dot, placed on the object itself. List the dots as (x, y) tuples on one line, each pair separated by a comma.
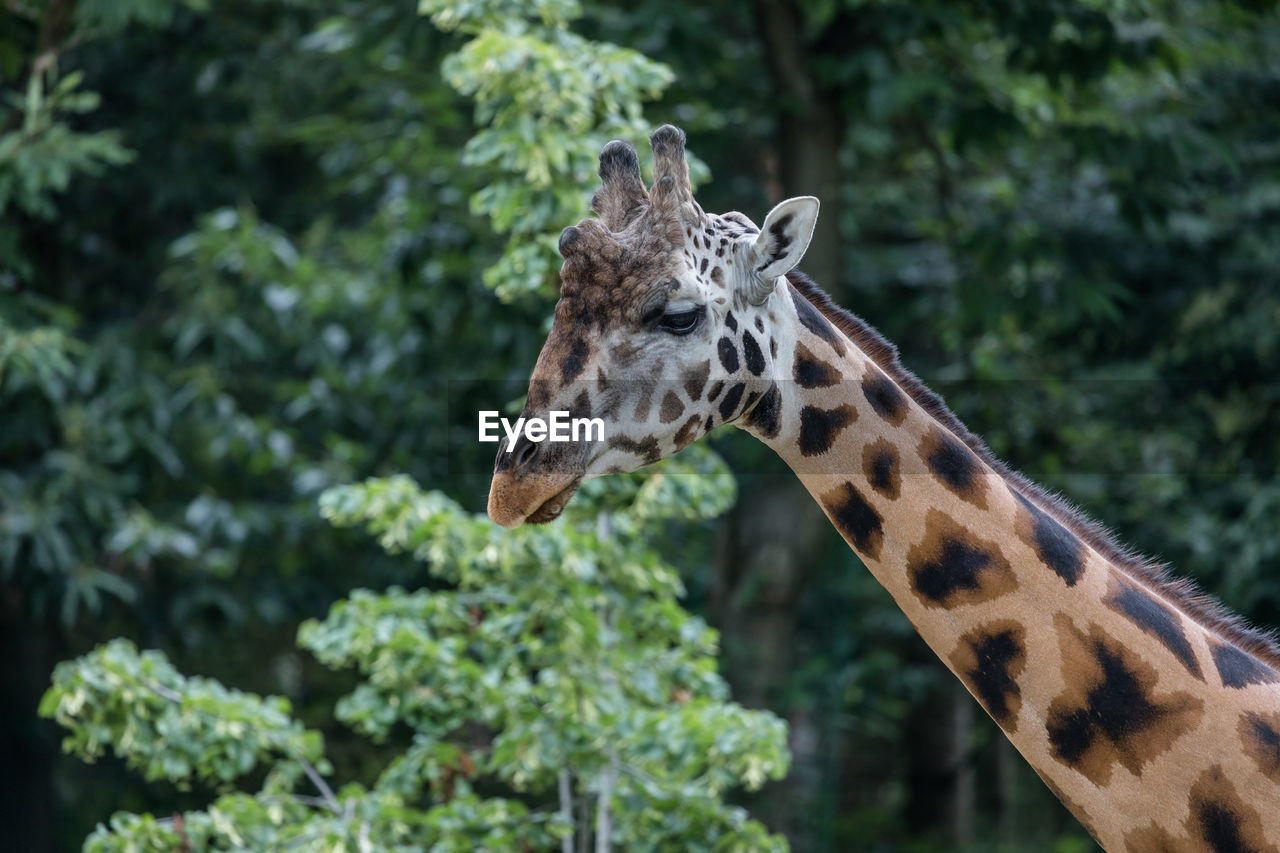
[(766, 416), (855, 518), (810, 371), (880, 467), (952, 566), (819, 428), (1239, 669), (955, 466), (1110, 712), (884, 397), (989, 660), (1222, 818), (1260, 736), (1153, 617)]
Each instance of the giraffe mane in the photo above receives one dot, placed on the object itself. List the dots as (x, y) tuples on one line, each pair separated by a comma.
[(1182, 593)]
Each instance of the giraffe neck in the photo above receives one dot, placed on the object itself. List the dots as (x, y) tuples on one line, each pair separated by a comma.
[(1154, 719)]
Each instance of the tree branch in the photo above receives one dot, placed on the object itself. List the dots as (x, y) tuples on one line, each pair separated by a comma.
[(566, 807), (53, 32), (322, 786), (54, 25), (604, 817)]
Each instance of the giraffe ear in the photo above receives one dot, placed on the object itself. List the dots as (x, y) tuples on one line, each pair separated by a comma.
[(782, 243)]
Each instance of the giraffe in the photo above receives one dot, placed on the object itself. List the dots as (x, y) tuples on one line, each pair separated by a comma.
[(1149, 710)]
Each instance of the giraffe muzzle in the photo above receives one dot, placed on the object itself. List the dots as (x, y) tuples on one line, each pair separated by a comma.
[(538, 499), (532, 483)]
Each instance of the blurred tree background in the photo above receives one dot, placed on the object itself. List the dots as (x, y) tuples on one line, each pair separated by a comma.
[(255, 250)]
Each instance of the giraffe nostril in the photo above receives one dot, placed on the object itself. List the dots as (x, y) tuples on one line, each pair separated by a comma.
[(525, 452)]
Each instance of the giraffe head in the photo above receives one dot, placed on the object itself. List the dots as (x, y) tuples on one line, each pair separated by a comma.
[(662, 331)]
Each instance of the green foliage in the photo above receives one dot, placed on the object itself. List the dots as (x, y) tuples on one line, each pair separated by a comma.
[(168, 726), (42, 154), (556, 663), (173, 411), (111, 16), (41, 149), (513, 15), (546, 100), (39, 358)]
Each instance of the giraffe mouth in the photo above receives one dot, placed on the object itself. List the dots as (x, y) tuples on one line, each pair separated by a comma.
[(515, 500), (551, 508)]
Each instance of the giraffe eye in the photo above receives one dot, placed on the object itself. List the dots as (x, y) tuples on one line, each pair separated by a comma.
[(681, 322)]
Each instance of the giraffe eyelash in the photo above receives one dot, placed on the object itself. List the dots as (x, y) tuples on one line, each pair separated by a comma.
[(681, 321)]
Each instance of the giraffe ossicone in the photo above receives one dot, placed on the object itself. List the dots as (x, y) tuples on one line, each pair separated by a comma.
[(1150, 711)]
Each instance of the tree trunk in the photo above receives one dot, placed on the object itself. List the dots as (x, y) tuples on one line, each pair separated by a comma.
[(1009, 785), (27, 751), (809, 137), (962, 801), (766, 549)]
